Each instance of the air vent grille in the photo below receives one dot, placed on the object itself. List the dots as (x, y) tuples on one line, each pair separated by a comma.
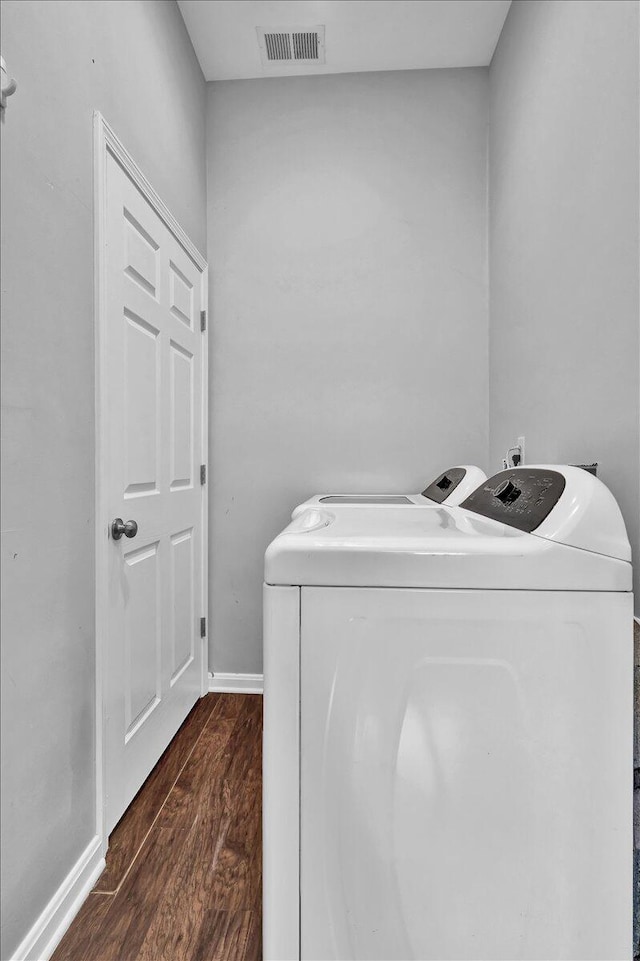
[(278, 46), (305, 46), (291, 46)]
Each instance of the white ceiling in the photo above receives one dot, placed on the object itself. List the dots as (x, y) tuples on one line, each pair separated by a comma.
[(360, 35)]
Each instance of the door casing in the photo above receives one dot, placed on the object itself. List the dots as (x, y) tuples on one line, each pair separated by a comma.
[(106, 142)]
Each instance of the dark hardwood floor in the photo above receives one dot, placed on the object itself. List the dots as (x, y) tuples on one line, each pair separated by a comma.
[(184, 868)]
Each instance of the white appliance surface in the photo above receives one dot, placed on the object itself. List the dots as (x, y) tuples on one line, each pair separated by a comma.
[(465, 772), (448, 728), (450, 487), (581, 545)]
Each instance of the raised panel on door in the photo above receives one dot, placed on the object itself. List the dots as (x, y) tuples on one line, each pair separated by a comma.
[(141, 406), (182, 602), (181, 296), (142, 635), (181, 427), (141, 254)]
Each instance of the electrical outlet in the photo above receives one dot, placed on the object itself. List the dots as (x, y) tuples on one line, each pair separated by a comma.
[(515, 454)]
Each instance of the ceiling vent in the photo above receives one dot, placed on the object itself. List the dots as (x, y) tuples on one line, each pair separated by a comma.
[(305, 45)]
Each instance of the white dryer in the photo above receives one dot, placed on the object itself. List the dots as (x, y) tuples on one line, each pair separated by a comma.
[(448, 728), (449, 487)]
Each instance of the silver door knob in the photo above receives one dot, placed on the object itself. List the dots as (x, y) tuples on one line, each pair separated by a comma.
[(118, 528)]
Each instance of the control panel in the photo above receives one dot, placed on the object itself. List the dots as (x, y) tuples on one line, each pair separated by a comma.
[(520, 497), (444, 485)]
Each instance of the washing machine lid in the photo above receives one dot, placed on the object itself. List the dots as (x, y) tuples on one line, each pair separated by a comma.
[(454, 547), (449, 487)]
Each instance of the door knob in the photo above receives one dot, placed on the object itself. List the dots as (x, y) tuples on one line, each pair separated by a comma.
[(118, 528)]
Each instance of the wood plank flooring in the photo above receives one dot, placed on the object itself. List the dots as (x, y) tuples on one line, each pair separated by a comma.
[(183, 880)]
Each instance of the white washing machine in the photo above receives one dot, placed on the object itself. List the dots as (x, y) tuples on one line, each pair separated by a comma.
[(449, 487), (448, 728)]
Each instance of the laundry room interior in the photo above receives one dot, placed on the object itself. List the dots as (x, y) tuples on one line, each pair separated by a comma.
[(379, 268)]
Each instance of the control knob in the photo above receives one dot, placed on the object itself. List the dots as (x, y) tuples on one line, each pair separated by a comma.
[(507, 492)]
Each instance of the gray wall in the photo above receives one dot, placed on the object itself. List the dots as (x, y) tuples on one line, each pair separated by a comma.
[(133, 61), (347, 250), (564, 350), (347, 220)]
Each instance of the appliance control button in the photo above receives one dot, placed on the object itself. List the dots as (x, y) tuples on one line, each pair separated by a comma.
[(507, 492)]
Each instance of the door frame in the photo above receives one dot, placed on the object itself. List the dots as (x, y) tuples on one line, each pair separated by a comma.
[(106, 142)]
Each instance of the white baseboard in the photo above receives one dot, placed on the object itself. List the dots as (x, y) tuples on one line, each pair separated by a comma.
[(236, 683), (47, 932)]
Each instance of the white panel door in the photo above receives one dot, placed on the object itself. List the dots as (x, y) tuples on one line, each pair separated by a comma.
[(153, 350), (466, 769)]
